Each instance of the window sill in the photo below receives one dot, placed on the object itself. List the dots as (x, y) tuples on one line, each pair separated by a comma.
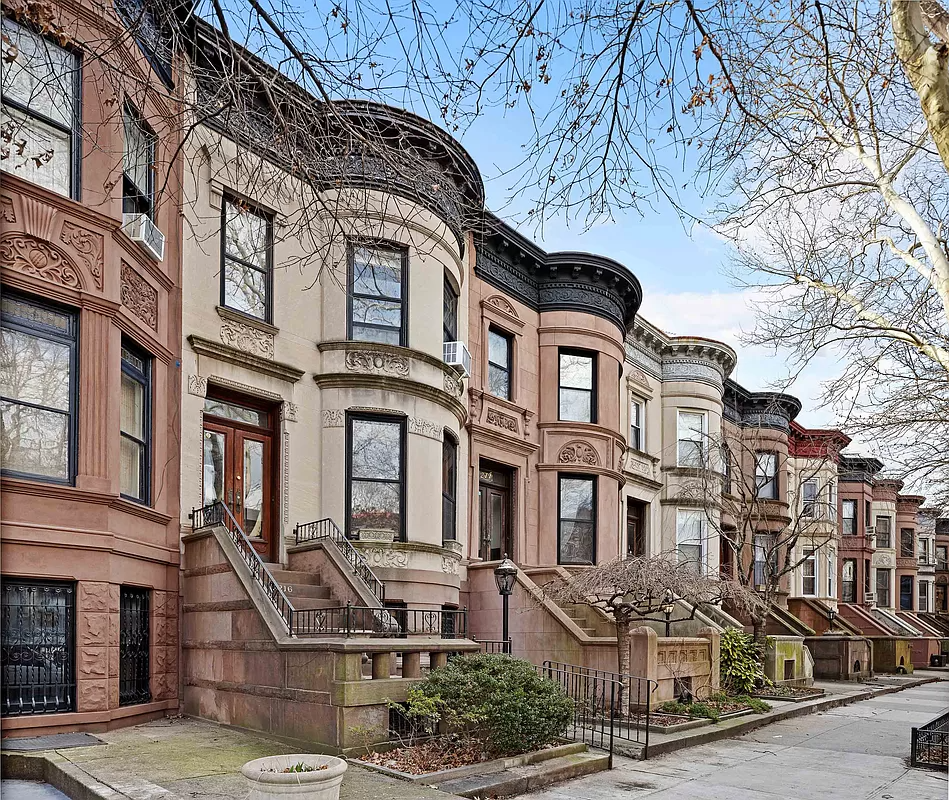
[(246, 319)]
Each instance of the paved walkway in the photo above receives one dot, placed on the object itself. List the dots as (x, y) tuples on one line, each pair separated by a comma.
[(856, 752)]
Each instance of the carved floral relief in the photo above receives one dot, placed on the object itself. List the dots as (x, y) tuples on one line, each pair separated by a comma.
[(139, 297), (247, 339), (578, 453), (88, 246), (34, 257), (376, 363)]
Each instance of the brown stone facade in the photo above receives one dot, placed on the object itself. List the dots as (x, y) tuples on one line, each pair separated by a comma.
[(70, 253)]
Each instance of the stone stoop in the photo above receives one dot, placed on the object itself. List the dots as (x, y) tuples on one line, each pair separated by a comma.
[(527, 778)]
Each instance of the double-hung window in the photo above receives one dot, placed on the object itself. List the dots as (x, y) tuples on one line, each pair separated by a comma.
[(690, 537), (884, 531), (690, 433), (246, 256), (907, 543), (577, 520), (848, 582), (726, 469), (832, 502), (134, 470), (765, 559), (766, 476), (924, 596), (449, 313), (38, 379), (376, 485), (831, 569), (809, 573), (377, 290), (500, 347), (39, 123), (809, 499), (577, 386), (849, 517), (138, 165), (637, 412), (449, 488), (883, 587)]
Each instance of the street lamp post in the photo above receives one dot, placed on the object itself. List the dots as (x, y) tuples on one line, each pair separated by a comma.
[(668, 606), (505, 574)]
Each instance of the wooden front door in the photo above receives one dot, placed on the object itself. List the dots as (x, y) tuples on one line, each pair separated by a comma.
[(494, 496), (238, 468)]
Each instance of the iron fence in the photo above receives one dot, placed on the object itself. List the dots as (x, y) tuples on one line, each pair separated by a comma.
[(134, 637), (352, 620), (38, 648), (631, 709), (327, 529), (496, 646), (929, 744)]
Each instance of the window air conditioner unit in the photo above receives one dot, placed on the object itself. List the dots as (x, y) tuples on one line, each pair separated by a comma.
[(457, 355), (869, 598), (143, 230)]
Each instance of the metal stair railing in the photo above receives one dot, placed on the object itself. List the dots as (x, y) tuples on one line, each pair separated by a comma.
[(219, 514), (327, 529)]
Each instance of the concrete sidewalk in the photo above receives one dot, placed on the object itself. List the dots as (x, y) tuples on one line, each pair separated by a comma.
[(854, 752), (180, 758)]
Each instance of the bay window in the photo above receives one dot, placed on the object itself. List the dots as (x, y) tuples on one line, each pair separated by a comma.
[(907, 543), (376, 486), (765, 559), (39, 122), (809, 499), (38, 380), (766, 476), (449, 488), (690, 537), (576, 540), (849, 517), (690, 433), (577, 386), (378, 285), (449, 313), (884, 531), (809, 574), (848, 582), (134, 467)]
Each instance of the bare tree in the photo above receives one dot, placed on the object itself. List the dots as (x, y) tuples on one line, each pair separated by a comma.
[(637, 589)]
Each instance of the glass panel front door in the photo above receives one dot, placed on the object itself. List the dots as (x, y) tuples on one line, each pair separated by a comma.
[(494, 495)]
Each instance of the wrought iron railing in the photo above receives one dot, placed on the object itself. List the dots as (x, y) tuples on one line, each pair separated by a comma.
[(631, 714), (929, 744), (327, 529), (219, 514), (495, 646)]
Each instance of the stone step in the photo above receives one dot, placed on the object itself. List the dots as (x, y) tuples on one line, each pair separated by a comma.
[(589, 631), (527, 778), (294, 590), (283, 576), (300, 603)]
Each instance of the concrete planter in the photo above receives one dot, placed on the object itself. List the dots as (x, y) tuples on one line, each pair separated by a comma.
[(267, 780), (790, 698), (686, 724)]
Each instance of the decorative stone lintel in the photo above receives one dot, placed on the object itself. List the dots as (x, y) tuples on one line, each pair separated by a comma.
[(425, 427), (198, 386), (231, 355)]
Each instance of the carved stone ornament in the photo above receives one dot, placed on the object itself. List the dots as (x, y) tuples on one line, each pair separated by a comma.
[(453, 385), (88, 246), (384, 557), (578, 453), (449, 565), (501, 420), (377, 363), (139, 297), (247, 339), (334, 418), (197, 386), (884, 560), (636, 375), (502, 305), (7, 214), (638, 465), (425, 427), (39, 259), (288, 411)]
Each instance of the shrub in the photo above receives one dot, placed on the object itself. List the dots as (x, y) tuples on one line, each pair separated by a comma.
[(698, 709), (499, 699), (741, 669)]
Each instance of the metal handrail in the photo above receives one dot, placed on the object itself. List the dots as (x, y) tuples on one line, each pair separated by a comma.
[(218, 513), (327, 529)]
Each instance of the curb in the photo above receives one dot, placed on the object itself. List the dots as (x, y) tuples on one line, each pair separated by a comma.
[(737, 728), (59, 773)]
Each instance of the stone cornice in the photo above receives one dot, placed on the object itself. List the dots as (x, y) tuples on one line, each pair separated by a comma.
[(759, 409), (223, 352), (390, 383)]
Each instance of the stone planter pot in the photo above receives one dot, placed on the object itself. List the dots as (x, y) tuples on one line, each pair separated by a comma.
[(267, 781)]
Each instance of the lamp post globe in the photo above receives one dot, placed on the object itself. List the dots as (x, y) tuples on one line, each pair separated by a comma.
[(505, 575)]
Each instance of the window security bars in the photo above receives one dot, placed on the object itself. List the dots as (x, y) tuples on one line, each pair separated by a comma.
[(134, 634), (38, 648), (327, 529), (929, 744)]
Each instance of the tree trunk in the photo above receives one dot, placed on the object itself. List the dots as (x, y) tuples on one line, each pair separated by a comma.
[(622, 653), (758, 627), (927, 67)]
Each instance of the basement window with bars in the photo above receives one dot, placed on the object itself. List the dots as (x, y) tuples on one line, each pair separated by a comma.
[(134, 640), (37, 648)]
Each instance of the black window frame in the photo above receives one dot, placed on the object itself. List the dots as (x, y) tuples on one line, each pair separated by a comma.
[(848, 596), (75, 133), (727, 468), (143, 204), (231, 199), (450, 301), (449, 488), (889, 532), (910, 534), (36, 329), (508, 369), (134, 688), (844, 504), (907, 580), (772, 481), (561, 476), (592, 355), (636, 511), (144, 378), (403, 301), (352, 416)]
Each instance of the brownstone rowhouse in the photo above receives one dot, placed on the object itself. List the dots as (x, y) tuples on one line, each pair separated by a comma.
[(89, 373)]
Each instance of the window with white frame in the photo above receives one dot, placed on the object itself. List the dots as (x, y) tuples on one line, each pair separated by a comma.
[(832, 502), (766, 476), (884, 531), (849, 517), (765, 558), (637, 412), (809, 499), (690, 433), (831, 570), (40, 88), (809, 574), (924, 595), (849, 580), (690, 537)]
